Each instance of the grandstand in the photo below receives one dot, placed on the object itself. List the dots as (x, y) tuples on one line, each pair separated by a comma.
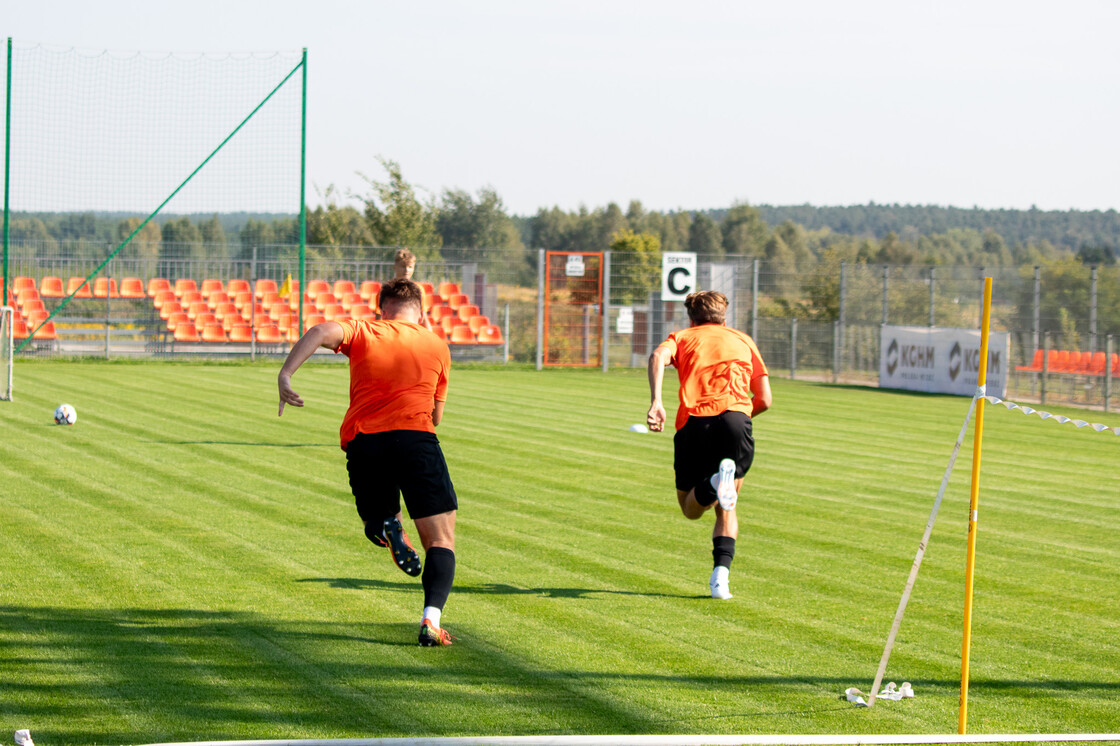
[(212, 314)]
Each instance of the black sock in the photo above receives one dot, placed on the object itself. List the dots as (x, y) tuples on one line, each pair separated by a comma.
[(723, 551), (439, 572)]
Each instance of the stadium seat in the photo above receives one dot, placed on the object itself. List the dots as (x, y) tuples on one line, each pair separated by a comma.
[(186, 332), (477, 322), (29, 305), (427, 288), (217, 298), (467, 310), (448, 323), (25, 294), (158, 285), (242, 300), (170, 307), (241, 333), (341, 287), (1036, 363), (132, 287), (19, 328), (225, 309), (313, 320), (214, 333), (278, 309), (285, 321), (438, 331), (162, 298), (362, 312), (269, 335), (183, 285), (1062, 363), (1096, 364), (20, 283), (191, 296), (461, 335), (37, 317), (175, 319), (263, 286), (105, 287), (314, 287), (255, 313), (456, 300), (448, 289), (369, 289), (204, 318), (51, 287), (75, 287), (211, 286), (48, 331), (333, 311), (269, 297), (490, 335), (233, 287), (324, 299), (349, 300), (438, 312)]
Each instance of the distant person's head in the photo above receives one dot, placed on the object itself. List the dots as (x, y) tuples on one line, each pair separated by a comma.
[(706, 307), (404, 261), (400, 300)]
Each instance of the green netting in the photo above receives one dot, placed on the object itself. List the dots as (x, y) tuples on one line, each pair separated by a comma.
[(127, 135)]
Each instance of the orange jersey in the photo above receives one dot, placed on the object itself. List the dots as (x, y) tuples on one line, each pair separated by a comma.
[(716, 365), (398, 371)]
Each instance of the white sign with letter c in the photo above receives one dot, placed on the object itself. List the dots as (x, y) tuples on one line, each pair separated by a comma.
[(678, 274)]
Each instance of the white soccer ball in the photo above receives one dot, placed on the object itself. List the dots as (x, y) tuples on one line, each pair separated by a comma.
[(65, 415)]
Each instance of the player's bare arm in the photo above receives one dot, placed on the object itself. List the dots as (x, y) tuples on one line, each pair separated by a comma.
[(658, 359), (437, 413), (761, 398), (327, 334)]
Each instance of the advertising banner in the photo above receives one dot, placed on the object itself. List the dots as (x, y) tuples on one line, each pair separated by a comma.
[(941, 361)]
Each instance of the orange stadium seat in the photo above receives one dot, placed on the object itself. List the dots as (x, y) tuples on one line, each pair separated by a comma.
[(341, 287), (456, 300), (51, 287), (313, 320), (170, 307), (47, 331), (427, 288), (1096, 364), (490, 335), (214, 333), (324, 299), (278, 309), (268, 298), (191, 296), (242, 300), (132, 287), (477, 322), (467, 310), (175, 319), (269, 335), (438, 312), (461, 335), (162, 298), (158, 285), (105, 287), (217, 298), (438, 331), (23, 295), (241, 333), (284, 321), (448, 323), (37, 317), (331, 312), (255, 313), (233, 287), (75, 287), (314, 287), (186, 332), (21, 283), (263, 286), (204, 318), (197, 307), (369, 289), (210, 286), (448, 289), (349, 300), (29, 306), (19, 327), (1036, 363), (185, 284)]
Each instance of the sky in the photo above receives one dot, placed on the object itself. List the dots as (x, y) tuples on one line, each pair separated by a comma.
[(679, 105)]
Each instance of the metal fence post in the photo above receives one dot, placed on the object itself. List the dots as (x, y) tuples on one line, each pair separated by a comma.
[(932, 285), (1093, 310), (754, 302), (1037, 320), (1108, 371), (540, 308), (793, 348), (843, 310), (836, 351), (108, 311), (606, 307), (886, 276), (253, 306), (1045, 368)]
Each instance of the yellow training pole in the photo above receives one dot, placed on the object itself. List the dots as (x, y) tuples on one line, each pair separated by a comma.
[(974, 504)]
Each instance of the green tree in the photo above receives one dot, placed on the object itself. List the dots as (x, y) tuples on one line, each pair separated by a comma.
[(336, 230), (213, 234), (395, 215), (744, 232), (635, 265), (144, 245), (704, 237)]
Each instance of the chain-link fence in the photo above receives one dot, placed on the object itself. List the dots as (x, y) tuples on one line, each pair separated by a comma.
[(823, 323)]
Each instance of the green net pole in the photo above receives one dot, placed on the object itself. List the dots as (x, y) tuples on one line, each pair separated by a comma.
[(302, 182), (7, 170), (155, 212)]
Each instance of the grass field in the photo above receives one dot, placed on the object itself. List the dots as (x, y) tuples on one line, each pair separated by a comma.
[(183, 565)]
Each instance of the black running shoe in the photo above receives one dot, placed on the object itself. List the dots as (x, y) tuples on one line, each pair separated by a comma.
[(401, 548)]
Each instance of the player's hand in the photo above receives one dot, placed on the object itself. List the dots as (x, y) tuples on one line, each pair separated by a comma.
[(287, 396), (655, 418)]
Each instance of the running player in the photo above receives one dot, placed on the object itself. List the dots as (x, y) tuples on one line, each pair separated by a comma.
[(398, 386), (723, 384)]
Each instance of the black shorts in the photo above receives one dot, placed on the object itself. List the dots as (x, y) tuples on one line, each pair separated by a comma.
[(382, 466), (702, 443)]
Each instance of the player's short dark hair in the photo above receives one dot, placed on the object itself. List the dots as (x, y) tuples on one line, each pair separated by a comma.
[(400, 291), (707, 307)]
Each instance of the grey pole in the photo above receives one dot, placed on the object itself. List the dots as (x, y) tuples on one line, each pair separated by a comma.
[(253, 305), (1093, 310), (886, 276), (606, 307), (1037, 305), (505, 336), (754, 302), (108, 292), (793, 348), (843, 310), (540, 308), (1045, 368), (1108, 371), (932, 285)]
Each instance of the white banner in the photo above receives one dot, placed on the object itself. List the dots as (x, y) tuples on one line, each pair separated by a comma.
[(678, 274), (941, 361)]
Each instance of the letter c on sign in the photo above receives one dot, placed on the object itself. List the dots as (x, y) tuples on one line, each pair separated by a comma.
[(679, 273)]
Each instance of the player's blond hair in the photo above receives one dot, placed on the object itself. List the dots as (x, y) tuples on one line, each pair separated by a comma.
[(404, 256), (707, 307)]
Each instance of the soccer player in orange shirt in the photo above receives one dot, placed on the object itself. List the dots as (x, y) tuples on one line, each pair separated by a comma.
[(723, 384), (398, 386)]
